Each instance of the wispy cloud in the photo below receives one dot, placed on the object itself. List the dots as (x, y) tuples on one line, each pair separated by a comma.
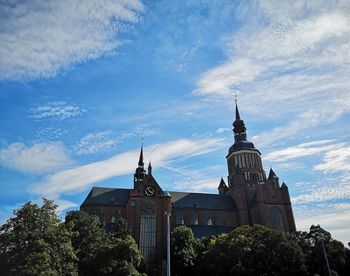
[(41, 38), (302, 150), (36, 159), (288, 63), (95, 142), (75, 179), (59, 110)]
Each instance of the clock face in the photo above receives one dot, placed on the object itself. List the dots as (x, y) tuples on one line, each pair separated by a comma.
[(150, 191)]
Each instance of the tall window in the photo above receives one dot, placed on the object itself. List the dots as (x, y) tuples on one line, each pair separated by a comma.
[(194, 218), (276, 218), (148, 233), (180, 218)]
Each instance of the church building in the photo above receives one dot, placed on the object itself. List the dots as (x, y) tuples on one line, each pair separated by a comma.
[(247, 197)]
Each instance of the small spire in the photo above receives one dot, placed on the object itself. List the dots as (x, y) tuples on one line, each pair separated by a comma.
[(272, 174), (149, 168), (222, 183), (141, 155), (284, 185)]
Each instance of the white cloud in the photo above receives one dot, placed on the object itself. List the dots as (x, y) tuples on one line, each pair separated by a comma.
[(336, 160), (290, 61), (95, 142), (334, 218), (37, 159), (78, 178), (41, 38), (302, 150), (59, 110)]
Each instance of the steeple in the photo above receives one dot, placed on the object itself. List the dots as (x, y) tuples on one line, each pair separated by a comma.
[(141, 157), (239, 129), (140, 170)]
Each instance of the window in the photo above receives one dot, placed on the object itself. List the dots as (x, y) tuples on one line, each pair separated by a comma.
[(208, 220), (194, 219), (148, 234), (113, 219), (180, 218), (132, 203), (276, 218)]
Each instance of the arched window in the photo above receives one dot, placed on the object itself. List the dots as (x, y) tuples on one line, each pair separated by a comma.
[(276, 218), (194, 219), (180, 218), (148, 232), (113, 219)]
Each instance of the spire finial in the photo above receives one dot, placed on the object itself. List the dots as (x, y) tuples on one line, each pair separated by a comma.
[(141, 155), (237, 112)]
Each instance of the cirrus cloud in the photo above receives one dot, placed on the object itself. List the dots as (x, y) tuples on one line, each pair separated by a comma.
[(41, 38)]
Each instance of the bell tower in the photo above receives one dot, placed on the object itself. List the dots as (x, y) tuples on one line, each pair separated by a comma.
[(140, 172), (243, 159)]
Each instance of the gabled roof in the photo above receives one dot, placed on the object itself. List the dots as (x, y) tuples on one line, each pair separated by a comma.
[(201, 201), (112, 196)]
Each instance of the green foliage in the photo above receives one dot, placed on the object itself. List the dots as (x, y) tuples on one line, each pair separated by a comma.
[(100, 253), (34, 242), (255, 250), (183, 246), (311, 242)]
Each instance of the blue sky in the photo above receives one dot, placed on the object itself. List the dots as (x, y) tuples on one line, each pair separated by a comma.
[(81, 84)]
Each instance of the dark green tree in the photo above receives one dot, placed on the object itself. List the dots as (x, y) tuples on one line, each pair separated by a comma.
[(254, 250), (100, 253), (34, 242), (183, 250), (311, 243), (88, 237)]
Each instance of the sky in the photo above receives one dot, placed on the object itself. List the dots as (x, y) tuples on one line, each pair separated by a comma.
[(81, 84)]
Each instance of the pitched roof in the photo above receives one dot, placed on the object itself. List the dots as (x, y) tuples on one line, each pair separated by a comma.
[(112, 196), (201, 201)]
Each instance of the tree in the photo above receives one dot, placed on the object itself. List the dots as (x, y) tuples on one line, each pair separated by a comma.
[(311, 243), (254, 250), (101, 253), (34, 242), (88, 237), (183, 249)]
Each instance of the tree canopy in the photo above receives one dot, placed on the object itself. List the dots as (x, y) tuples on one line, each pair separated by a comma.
[(34, 242)]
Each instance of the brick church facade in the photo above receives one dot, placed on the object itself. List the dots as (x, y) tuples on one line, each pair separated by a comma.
[(249, 197)]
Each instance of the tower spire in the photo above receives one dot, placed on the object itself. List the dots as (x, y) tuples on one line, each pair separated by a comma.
[(238, 126), (237, 112), (141, 155)]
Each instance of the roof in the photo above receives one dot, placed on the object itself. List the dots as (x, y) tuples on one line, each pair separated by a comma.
[(208, 230), (114, 196), (201, 201), (243, 145)]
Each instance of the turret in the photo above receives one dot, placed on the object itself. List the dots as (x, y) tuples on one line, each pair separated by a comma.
[(273, 178), (222, 187)]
